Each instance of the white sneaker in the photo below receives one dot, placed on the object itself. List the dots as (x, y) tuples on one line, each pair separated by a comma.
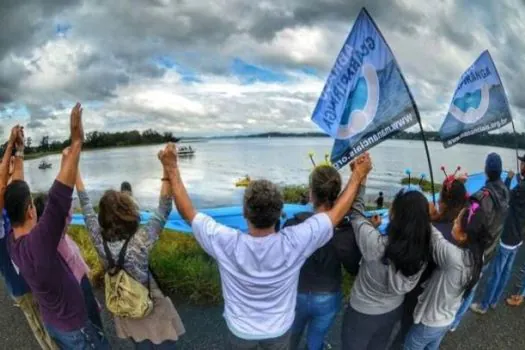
[(476, 307)]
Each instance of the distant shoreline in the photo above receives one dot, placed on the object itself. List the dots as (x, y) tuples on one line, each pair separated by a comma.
[(504, 140)]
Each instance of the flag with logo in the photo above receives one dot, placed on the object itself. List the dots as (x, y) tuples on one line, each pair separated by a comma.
[(366, 99), (479, 103)]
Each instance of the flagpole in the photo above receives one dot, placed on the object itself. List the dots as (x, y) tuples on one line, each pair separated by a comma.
[(413, 105), (428, 156), (516, 146)]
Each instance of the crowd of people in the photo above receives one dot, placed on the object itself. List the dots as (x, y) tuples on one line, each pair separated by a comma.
[(413, 283)]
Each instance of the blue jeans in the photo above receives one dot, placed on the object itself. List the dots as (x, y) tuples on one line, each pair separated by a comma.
[(318, 312), (501, 268), (467, 301), (421, 337), (89, 337), (91, 302)]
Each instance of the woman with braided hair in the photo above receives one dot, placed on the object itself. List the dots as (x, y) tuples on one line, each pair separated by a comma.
[(117, 228)]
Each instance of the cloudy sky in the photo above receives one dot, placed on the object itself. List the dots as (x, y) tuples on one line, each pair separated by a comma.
[(210, 67)]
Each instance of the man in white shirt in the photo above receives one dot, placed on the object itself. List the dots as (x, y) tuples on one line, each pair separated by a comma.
[(260, 270)]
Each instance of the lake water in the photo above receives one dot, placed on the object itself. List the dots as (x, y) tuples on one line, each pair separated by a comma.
[(210, 176)]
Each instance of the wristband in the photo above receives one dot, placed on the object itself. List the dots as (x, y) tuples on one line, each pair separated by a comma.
[(19, 154), (165, 179)]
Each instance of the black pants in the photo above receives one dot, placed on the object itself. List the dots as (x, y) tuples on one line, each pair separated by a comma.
[(235, 343), (368, 332), (91, 302)]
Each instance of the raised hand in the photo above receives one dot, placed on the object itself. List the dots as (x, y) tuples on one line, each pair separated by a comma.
[(77, 129), (15, 133), (376, 221), (20, 140), (362, 165), (434, 214), (168, 157)]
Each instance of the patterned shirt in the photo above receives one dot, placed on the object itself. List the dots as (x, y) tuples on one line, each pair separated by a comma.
[(137, 254)]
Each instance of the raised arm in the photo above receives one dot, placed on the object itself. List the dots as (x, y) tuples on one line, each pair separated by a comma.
[(69, 166), (48, 231), (18, 161), (90, 217), (160, 216), (4, 166), (361, 168), (168, 157)]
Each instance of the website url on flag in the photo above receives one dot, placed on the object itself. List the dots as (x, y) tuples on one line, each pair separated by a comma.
[(373, 139), (482, 128)]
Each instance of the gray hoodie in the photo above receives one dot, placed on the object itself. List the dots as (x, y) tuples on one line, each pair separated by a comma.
[(378, 288), (443, 292)]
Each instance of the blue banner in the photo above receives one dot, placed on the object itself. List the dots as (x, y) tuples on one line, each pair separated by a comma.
[(479, 103), (366, 99)]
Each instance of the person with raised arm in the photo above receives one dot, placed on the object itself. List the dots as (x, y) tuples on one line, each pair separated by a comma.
[(391, 267), (34, 249), (116, 232), (17, 287), (260, 269), (459, 261)]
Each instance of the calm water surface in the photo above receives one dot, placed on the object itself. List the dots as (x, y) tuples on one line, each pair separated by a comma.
[(210, 175)]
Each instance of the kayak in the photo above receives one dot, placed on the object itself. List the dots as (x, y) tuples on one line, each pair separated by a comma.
[(242, 183), (233, 216)]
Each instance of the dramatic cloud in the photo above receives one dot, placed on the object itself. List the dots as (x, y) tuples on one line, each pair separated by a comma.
[(204, 67)]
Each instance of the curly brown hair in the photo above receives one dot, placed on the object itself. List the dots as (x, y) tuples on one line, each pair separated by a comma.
[(325, 184), (118, 216), (263, 204)]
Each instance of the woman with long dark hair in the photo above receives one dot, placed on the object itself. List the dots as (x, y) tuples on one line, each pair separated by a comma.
[(391, 267), (459, 269), (452, 199)]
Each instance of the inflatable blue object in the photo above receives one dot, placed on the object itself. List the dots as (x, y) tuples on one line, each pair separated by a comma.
[(233, 216)]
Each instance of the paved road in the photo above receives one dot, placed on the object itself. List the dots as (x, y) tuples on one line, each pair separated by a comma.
[(501, 329)]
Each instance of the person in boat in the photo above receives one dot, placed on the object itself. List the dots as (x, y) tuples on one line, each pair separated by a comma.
[(459, 266), (70, 252), (452, 200), (117, 226), (511, 240), (320, 281), (391, 267), (260, 270), (34, 250), (16, 285), (494, 198)]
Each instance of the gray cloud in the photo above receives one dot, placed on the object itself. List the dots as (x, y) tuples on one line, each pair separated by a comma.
[(111, 48)]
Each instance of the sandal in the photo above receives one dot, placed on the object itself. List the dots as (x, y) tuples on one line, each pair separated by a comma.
[(515, 300)]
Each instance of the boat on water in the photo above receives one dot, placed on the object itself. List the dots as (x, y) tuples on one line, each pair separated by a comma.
[(185, 151), (44, 165), (244, 182)]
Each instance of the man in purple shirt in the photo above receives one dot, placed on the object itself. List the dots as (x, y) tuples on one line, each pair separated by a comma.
[(33, 248)]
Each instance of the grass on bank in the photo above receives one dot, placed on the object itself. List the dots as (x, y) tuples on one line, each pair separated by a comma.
[(426, 185)]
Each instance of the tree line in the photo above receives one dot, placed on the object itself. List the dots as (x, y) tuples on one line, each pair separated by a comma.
[(505, 140), (97, 139)]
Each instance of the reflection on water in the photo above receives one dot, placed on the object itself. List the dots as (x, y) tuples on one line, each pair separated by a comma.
[(210, 176)]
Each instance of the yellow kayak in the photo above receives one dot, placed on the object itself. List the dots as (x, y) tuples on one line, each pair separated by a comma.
[(243, 182)]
